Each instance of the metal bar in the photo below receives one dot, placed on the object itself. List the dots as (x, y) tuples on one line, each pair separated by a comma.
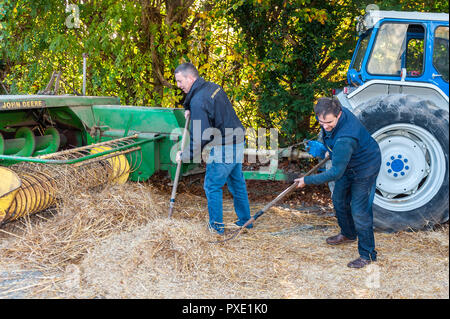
[(109, 156), (264, 176), (177, 174), (47, 156), (84, 73), (273, 202), (76, 160)]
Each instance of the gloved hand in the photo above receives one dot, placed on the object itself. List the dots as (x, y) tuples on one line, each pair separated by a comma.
[(316, 149)]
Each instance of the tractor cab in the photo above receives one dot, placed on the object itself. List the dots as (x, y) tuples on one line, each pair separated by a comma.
[(401, 46), (398, 88)]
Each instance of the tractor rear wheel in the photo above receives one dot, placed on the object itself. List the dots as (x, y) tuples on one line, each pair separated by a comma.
[(412, 186)]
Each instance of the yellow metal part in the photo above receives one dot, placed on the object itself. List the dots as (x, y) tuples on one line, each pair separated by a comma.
[(9, 187), (26, 189), (119, 165), (35, 193)]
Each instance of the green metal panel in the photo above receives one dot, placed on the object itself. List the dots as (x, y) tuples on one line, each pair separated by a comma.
[(65, 116), (11, 118), (20, 102), (149, 163), (140, 118), (146, 122), (85, 114), (265, 176)]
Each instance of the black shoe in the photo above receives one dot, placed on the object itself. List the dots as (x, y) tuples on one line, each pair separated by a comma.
[(358, 263), (339, 239)]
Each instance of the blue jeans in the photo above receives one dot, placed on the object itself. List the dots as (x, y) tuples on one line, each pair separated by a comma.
[(224, 167), (352, 200)]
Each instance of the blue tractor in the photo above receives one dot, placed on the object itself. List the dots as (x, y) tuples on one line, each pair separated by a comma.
[(398, 87)]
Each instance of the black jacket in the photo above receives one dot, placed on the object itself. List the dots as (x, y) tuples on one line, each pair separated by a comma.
[(213, 119)]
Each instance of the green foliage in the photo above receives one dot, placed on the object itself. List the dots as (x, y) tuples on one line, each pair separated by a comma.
[(132, 47), (274, 58), (414, 5), (300, 51)]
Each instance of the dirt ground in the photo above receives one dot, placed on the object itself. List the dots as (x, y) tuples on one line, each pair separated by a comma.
[(117, 242)]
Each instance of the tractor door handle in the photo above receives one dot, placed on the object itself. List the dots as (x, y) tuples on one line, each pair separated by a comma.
[(435, 75)]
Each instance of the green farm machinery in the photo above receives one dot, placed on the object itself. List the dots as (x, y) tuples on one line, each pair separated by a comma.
[(48, 140)]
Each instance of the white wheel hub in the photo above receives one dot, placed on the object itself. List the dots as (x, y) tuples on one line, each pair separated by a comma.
[(412, 167), (403, 166)]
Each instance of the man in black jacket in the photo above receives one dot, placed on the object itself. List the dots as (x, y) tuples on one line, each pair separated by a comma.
[(214, 123)]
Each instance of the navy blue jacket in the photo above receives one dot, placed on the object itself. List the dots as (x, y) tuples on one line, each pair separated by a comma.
[(353, 151), (211, 112)]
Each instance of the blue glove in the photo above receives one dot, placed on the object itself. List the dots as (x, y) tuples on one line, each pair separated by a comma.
[(316, 149)]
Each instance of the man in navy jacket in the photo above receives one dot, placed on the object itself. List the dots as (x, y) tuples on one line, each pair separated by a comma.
[(214, 123), (356, 161)]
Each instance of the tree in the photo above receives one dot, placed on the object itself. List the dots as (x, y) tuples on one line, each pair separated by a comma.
[(273, 57), (133, 47), (299, 50)]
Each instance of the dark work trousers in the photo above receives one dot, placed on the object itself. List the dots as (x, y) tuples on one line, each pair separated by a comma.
[(352, 200)]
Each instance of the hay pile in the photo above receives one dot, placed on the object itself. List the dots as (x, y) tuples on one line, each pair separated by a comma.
[(117, 242), (64, 235)]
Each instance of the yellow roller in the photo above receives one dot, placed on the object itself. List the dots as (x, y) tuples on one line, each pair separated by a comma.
[(8, 189), (25, 190), (119, 165), (35, 193)]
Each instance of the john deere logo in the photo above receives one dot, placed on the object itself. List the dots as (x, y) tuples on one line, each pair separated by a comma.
[(22, 104)]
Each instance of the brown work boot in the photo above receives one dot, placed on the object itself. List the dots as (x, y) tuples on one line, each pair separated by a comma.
[(339, 239), (358, 263)]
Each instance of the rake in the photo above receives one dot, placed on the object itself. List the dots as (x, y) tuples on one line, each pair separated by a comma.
[(286, 192)]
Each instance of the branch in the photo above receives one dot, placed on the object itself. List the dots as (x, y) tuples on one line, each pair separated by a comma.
[(192, 25), (332, 72), (323, 54), (291, 40), (155, 65), (170, 20), (4, 87), (277, 12), (324, 65)]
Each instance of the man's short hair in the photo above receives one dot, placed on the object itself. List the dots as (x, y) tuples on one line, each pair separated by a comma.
[(187, 68), (327, 105)]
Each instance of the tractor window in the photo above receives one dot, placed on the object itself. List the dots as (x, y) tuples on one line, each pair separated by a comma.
[(440, 51), (398, 46), (414, 57), (361, 52), (389, 47)]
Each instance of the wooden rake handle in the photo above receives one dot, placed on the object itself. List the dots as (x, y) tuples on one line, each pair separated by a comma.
[(283, 194)]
